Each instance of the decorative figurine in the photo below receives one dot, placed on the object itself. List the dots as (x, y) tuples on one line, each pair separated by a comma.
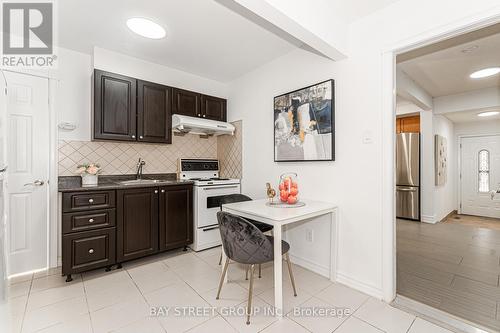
[(271, 193)]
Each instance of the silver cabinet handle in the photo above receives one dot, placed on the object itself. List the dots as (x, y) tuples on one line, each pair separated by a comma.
[(204, 116), (91, 251), (199, 114), (141, 137), (156, 191), (3, 169), (91, 200), (37, 182), (133, 136), (162, 191), (91, 220)]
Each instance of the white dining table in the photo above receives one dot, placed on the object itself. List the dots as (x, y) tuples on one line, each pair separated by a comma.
[(279, 217)]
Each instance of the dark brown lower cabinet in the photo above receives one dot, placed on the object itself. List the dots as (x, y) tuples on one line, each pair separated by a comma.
[(137, 223), (101, 231), (176, 216), (83, 251)]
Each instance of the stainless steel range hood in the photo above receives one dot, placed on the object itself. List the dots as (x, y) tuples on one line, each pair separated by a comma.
[(200, 126)]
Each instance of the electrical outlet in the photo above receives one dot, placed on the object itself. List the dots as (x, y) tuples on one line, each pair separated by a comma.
[(309, 235)]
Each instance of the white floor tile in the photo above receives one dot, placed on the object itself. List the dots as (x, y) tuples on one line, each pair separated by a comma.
[(150, 268), (232, 294), (183, 260), (48, 272), (13, 307), (11, 324), (354, 325), (313, 322), (118, 315), (101, 280), (53, 314), (151, 282), (51, 281), (54, 295), (384, 316), (423, 326), (18, 289), (289, 300), (342, 296), (204, 281), (285, 325), (120, 291), (217, 324), (209, 252), (79, 324), (146, 325), (258, 320)]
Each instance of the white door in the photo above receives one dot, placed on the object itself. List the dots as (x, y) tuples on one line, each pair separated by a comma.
[(480, 174), (28, 172), (3, 199)]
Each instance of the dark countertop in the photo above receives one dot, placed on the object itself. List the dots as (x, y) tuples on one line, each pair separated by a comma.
[(112, 182)]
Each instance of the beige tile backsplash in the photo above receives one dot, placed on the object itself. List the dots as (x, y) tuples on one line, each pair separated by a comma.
[(229, 152), (118, 158)]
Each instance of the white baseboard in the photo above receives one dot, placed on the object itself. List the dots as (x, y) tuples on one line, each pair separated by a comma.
[(310, 265), (359, 285), (428, 219)]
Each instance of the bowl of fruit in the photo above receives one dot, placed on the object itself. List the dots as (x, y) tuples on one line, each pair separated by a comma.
[(289, 189)]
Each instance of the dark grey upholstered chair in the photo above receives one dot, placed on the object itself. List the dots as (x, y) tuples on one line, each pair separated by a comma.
[(232, 198), (244, 243)]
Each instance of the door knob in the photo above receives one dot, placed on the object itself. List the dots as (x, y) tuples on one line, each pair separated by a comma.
[(3, 169), (141, 137), (204, 116), (91, 220), (133, 136), (91, 251), (162, 191), (91, 200), (156, 191), (37, 182)]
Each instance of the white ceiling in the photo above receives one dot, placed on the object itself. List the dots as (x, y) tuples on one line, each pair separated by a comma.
[(353, 10), (470, 116), (203, 37), (446, 72)]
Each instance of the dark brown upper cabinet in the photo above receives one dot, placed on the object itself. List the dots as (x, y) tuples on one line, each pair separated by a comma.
[(186, 103), (137, 223), (176, 216), (154, 117), (128, 109), (213, 108), (114, 107)]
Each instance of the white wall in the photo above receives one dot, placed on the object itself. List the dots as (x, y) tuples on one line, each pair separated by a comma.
[(445, 196), (356, 181), (74, 75), (144, 70), (427, 197), (478, 128)]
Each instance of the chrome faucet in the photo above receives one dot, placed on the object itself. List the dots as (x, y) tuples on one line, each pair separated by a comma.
[(140, 165)]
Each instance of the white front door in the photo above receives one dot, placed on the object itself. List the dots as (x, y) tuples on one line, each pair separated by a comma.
[(480, 174), (28, 172)]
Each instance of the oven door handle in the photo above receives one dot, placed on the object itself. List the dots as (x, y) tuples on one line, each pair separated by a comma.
[(219, 187), (212, 228)]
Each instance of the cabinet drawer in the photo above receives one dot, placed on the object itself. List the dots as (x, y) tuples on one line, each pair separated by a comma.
[(84, 221), (88, 250), (75, 201)]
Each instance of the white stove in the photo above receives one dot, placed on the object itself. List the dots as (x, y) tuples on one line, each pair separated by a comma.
[(209, 188)]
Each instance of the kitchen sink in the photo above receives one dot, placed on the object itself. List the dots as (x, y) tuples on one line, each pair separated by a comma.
[(141, 181)]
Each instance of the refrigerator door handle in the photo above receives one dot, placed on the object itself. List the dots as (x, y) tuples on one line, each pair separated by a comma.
[(406, 189)]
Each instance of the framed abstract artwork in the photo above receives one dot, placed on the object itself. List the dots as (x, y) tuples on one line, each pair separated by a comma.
[(304, 124)]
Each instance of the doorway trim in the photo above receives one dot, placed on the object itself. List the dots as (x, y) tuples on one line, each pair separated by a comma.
[(459, 163), (388, 197)]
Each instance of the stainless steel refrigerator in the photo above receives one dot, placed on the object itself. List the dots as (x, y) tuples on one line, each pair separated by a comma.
[(408, 176)]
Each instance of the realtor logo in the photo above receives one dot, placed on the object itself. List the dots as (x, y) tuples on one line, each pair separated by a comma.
[(28, 34)]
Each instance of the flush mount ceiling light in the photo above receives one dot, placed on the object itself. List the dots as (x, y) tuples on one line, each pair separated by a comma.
[(488, 114), (485, 72), (146, 28)]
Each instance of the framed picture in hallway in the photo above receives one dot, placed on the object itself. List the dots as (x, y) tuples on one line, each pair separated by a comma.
[(304, 124)]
